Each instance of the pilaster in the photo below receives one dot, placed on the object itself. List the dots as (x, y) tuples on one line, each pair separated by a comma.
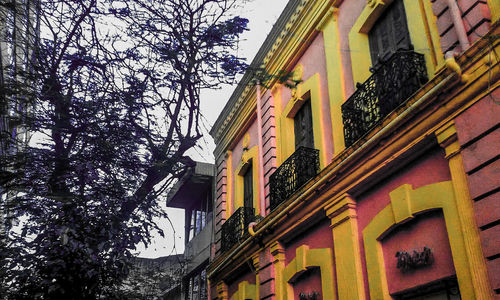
[(278, 261), (335, 74), (344, 225), (222, 291), (229, 183), (255, 258), (447, 139)]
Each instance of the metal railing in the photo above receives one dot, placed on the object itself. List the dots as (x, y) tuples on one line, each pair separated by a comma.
[(298, 169), (234, 229), (391, 84)]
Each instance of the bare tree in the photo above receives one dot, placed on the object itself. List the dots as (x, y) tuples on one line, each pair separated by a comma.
[(113, 107)]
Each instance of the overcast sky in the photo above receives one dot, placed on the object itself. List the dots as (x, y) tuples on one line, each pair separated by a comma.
[(262, 14)]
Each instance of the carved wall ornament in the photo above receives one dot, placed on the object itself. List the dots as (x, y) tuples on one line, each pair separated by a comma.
[(407, 262), (309, 296), (246, 142)]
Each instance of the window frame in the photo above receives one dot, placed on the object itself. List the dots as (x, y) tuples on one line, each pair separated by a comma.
[(308, 90), (249, 161), (305, 114), (422, 31), (248, 185), (376, 33)]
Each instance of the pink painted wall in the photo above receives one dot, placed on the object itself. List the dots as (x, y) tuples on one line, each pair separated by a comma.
[(476, 19), (220, 202), (238, 151), (349, 12), (427, 230), (319, 236), (313, 61), (478, 130), (308, 282), (266, 274), (429, 168), (222, 184), (212, 292), (233, 286), (268, 142)]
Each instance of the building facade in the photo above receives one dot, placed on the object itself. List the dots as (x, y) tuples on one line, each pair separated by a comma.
[(19, 31), (194, 193), (374, 175)]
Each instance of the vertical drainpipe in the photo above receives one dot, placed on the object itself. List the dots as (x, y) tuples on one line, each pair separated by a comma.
[(261, 154), (458, 23)]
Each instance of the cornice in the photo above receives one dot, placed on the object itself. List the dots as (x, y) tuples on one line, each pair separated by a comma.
[(242, 88), (287, 40)]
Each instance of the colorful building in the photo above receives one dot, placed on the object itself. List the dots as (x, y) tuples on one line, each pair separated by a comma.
[(377, 175)]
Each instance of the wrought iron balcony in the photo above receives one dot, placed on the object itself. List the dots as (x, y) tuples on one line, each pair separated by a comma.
[(391, 84), (301, 166), (234, 229)]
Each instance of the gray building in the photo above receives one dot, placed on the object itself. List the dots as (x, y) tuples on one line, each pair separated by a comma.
[(19, 32), (194, 193), (154, 278)]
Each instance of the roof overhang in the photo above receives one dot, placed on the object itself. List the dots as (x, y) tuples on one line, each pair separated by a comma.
[(189, 187)]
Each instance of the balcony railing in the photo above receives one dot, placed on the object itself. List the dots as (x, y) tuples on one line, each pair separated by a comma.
[(234, 229), (301, 166), (391, 84)]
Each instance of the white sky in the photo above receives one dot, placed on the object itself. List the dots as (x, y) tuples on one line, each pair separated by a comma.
[(262, 14)]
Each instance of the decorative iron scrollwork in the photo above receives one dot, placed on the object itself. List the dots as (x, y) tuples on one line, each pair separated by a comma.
[(407, 261), (301, 166), (309, 296), (391, 84), (234, 230)]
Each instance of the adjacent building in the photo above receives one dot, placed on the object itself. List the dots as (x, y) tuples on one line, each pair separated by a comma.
[(19, 32), (375, 173), (194, 193), (154, 278)]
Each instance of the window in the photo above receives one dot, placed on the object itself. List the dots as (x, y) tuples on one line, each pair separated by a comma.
[(446, 289), (389, 34), (248, 187), (246, 194), (199, 215), (197, 286), (397, 73), (303, 126)]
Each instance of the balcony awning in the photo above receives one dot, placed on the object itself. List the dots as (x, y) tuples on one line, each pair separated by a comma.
[(194, 183)]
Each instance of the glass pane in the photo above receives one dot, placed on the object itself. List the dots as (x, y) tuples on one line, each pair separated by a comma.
[(196, 288), (203, 219), (198, 221), (248, 187), (190, 289), (389, 33), (203, 294), (303, 126), (192, 226)]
